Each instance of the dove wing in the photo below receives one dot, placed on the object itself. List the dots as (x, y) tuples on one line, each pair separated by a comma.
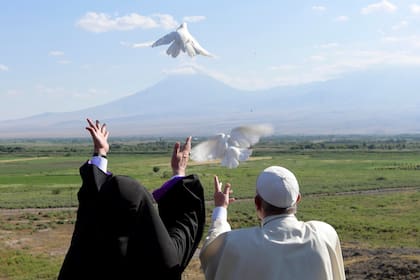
[(168, 38), (186, 38), (231, 158), (174, 49), (189, 48), (234, 155), (191, 45), (211, 149), (246, 136), (199, 49)]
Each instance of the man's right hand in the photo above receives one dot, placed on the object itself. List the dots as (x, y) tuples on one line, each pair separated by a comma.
[(222, 198), (99, 135), (180, 156)]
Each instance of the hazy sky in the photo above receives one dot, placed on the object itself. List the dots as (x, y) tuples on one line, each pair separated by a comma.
[(58, 56)]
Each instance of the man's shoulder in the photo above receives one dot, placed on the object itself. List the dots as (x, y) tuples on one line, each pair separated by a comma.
[(318, 224), (121, 179), (123, 182), (239, 239), (243, 232), (322, 227), (124, 185)]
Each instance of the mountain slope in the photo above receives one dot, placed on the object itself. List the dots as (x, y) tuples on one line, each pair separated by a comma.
[(386, 101)]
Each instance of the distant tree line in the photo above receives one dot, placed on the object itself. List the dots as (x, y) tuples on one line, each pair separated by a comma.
[(70, 147)]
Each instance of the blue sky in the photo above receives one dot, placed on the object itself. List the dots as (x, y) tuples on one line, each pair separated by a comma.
[(59, 56)]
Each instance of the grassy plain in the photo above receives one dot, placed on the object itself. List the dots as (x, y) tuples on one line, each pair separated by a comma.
[(333, 177), (53, 181)]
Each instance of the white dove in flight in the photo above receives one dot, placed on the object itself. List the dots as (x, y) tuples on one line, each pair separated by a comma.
[(231, 148), (181, 40)]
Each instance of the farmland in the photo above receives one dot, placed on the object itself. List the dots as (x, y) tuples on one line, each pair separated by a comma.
[(366, 187)]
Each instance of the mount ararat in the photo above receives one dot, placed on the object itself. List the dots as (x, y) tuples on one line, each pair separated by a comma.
[(370, 102)]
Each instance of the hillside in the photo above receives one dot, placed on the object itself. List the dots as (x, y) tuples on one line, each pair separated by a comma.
[(384, 102)]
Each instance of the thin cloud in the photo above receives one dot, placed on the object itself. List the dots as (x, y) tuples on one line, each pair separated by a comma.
[(415, 9), (3, 68), (389, 39), (56, 53), (58, 92), (383, 6), (341, 18), (319, 8), (330, 65), (317, 58), (194, 18), (13, 93), (400, 25), (329, 45), (63, 61), (407, 42), (183, 70), (137, 45), (101, 22), (347, 60), (166, 21), (284, 67)]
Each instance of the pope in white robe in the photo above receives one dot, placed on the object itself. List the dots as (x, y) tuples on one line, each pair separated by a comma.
[(282, 247)]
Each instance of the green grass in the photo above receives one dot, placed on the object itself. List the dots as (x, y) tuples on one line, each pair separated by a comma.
[(33, 222), (38, 196), (22, 265), (372, 220), (54, 181), (380, 220)]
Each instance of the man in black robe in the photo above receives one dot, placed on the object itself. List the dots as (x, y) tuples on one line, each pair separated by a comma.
[(119, 233)]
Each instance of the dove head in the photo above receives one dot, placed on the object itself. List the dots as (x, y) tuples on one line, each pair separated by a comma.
[(183, 25), (221, 135)]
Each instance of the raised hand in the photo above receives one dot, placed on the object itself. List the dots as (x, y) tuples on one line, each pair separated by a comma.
[(180, 156), (99, 135), (222, 198)]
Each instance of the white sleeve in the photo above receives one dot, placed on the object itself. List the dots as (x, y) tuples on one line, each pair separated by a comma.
[(100, 162), (214, 242), (218, 225), (332, 241), (219, 213)]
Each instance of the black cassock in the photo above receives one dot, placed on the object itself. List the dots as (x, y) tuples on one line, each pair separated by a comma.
[(119, 234)]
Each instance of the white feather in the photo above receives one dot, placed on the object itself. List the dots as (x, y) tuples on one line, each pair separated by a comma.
[(181, 40), (231, 148)]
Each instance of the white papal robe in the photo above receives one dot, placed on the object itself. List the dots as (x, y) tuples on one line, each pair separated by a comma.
[(281, 248)]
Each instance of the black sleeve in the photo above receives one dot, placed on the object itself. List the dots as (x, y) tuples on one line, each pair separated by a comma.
[(149, 248), (182, 211), (82, 249), (119, 234)]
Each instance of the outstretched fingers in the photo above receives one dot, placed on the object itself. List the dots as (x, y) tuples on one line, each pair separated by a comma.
[(187, 146), (99, 133), (222, 198), (184, 149), (227, 192), (91, 128), (180, 156), (95, 128), (217, 184)]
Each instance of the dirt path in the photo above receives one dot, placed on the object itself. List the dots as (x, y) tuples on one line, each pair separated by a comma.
[(21, 159)]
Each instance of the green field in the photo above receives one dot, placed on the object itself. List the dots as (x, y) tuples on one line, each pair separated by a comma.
[(334, 183), (53, 181)]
